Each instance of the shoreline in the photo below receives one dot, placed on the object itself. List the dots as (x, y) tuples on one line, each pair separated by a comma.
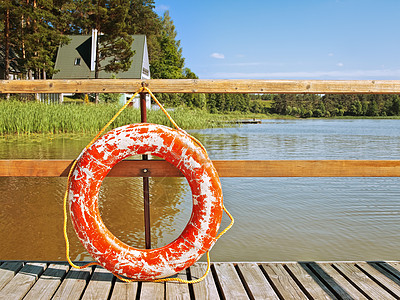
[(18, 118), (228, 122)]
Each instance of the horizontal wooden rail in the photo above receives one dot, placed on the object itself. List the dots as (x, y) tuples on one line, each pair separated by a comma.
[(226, 168), (203, 86)]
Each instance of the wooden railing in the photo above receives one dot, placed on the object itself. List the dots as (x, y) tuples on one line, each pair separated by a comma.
[(225, 168), (203, 86)]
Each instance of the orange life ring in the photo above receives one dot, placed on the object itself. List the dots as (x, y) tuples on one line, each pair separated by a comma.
[(181, 151)]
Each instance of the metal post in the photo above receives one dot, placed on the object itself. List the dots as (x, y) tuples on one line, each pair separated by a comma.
[(146, 194)]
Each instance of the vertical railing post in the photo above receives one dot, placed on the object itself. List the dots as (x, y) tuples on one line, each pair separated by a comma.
[(146, 194)]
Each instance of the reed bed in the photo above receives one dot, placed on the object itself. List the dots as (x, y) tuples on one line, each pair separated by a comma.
[(32, 117)]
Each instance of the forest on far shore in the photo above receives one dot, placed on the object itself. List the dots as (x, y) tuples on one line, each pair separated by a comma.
[(303, 105), (329, 105)]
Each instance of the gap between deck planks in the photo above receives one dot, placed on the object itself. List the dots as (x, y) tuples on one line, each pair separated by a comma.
[(292, 280)]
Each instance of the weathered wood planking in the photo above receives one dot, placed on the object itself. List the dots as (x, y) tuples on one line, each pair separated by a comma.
[(229, 281), (99, 285), (8, 271), (369, 287), (256, 282), (203, 86), (225, 168), (48, 283), (175, 290), (152, 290), (123, 290), (305, 280), (206, 289), (315, 288), (285, 285), (22, 282), (384, 279), (340, 285), (74, 284)]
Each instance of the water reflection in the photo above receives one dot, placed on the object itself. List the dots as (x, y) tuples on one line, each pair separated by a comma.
[(38, 146)]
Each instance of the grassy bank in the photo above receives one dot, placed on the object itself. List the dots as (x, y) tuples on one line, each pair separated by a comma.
[(31, 117)]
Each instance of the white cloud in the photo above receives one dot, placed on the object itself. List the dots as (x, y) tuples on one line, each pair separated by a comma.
[(351, 74), (161, 8), (331, 54), (340, 64), (217, 55)]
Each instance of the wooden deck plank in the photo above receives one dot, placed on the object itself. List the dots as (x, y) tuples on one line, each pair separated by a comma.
[(391, 284), (99, 285), (315, 288), (74, 284), (176, 290), (23, 281), (362, 281), (8, 270), (387, 270), (231, 286), (259, 286), (337, 282), (395, 265), (48, 283), (124, 290), (324, 280), (152, 290), (287, 287), (206, 289)]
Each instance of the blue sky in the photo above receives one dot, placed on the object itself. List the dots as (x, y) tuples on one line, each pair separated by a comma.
[(288, 39)]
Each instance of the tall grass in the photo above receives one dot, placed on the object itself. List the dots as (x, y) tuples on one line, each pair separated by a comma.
[(31, 117)]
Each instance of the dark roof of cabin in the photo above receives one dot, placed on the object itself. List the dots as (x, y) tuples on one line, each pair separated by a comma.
[(79, 47)]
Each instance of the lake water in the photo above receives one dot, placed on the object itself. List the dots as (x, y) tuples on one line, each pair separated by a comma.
[(276, 219)]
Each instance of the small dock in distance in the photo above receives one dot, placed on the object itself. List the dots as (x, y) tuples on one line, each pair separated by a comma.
[(253, 121), (297, 280), (247, 121)]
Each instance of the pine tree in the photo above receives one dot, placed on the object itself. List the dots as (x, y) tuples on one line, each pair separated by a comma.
[(108, 17), (65, 16), (38, 37), (142, 19), (395, 109), (170, 63), (6, 7)]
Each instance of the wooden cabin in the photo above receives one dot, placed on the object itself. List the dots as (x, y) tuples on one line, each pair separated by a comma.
[(76, 60)]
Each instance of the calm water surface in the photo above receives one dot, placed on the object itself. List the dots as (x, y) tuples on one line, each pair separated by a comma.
[(276, 219)]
